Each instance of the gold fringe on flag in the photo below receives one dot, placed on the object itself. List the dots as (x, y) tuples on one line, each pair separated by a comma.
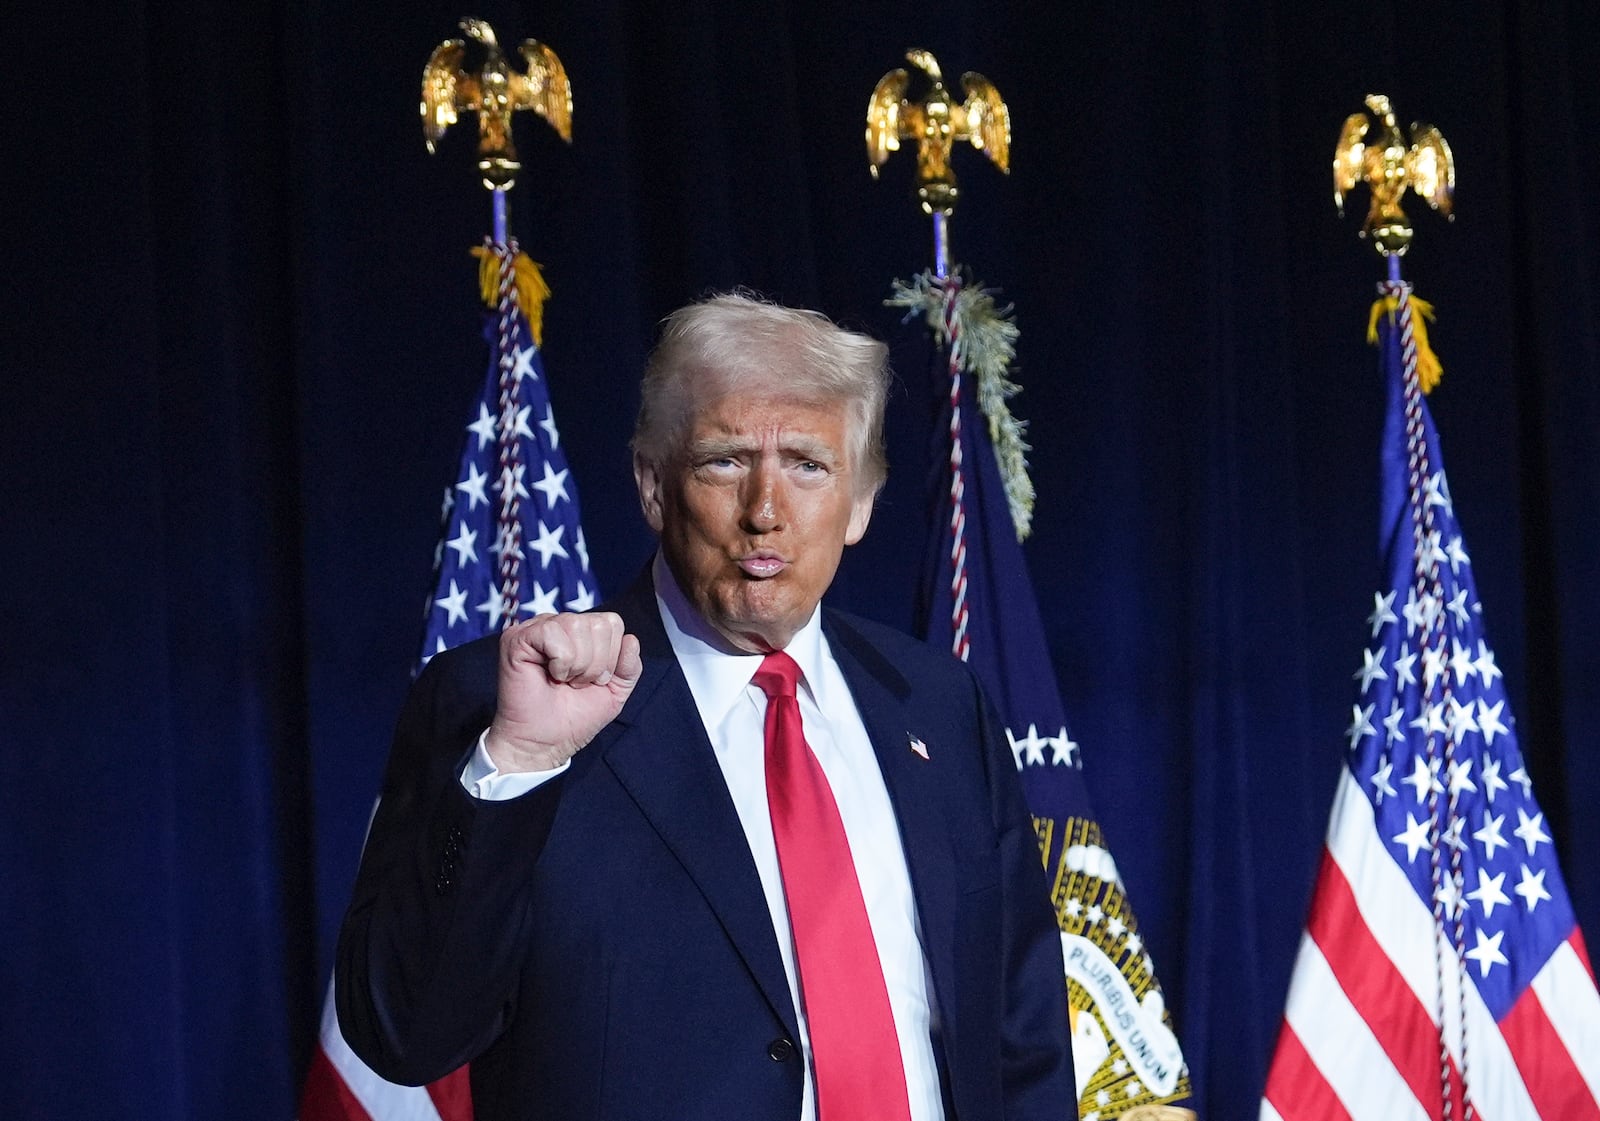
[(1429, 371), (532, 291)]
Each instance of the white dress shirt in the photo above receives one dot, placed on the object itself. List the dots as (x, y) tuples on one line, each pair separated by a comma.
[(734, 712)]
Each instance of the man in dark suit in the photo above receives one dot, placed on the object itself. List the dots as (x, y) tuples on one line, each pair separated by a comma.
[(714, 852)]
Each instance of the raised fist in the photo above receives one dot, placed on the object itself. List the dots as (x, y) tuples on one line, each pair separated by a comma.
[(562, 679)]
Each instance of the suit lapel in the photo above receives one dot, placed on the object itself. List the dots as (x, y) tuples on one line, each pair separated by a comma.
[(882, 695), (658, 750)]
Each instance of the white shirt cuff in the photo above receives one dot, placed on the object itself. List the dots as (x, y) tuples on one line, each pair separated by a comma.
[(482, 779)]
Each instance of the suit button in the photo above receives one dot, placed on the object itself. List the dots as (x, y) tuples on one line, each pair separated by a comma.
[(779, 1050)]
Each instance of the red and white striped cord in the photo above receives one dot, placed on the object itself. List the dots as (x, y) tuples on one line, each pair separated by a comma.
[(1427, 586), (507, 446), (960, 644)]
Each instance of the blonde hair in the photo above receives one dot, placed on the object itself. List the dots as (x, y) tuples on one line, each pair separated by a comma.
[(735, 340)]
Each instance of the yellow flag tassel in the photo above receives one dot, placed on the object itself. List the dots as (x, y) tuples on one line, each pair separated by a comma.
[(1429, 371), (532, 291)]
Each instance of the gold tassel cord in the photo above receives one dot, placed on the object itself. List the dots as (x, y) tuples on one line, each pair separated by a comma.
[(532, 291), (1429, 369)]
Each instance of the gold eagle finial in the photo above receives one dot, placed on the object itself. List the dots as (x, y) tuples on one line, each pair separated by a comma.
[(936, 123), (1388, 167), (494, 93)]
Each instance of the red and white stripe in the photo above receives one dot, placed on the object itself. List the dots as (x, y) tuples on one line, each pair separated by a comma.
[(340, 1087), (1360, 1035)]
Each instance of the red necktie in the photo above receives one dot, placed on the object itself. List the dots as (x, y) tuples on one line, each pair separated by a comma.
[(854, 1049)]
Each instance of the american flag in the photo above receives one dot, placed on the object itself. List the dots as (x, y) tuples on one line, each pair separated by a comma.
[(978, 602), (511, 547), (1442, 973)]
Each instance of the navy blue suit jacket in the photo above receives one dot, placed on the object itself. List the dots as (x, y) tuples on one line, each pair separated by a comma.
[(600, 948)]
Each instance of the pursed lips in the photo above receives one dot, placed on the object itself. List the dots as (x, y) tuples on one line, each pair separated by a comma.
[(762, 564)]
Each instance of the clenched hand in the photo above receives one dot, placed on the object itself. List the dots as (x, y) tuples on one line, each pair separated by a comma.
[(562, 679)]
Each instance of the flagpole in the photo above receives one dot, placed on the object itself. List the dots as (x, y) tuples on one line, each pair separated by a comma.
[(339, 1086), (1447, 725), (500, 216), (1390, 167), (977, 602), (941, 245)]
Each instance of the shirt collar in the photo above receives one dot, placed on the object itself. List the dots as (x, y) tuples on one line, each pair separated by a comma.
[(718, 676)]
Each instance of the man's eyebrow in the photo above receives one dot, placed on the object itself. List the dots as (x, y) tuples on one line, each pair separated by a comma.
[(718, 445), (811, 449), (793, 446)]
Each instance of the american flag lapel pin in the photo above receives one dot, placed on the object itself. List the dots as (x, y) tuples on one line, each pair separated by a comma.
[(917, 745)]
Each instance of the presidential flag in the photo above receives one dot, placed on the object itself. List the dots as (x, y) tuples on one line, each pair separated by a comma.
[(977, 601), (1442, 973), (511, 547)]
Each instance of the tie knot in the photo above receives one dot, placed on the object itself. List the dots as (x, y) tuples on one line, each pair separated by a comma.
[(779, 675)]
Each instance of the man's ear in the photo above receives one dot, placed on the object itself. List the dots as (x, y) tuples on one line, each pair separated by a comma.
[(860, 515), (647, 477)]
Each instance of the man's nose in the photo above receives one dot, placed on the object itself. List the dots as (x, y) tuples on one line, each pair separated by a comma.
[(763, 507)]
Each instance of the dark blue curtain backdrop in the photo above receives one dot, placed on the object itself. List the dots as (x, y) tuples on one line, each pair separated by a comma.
[(241, 341)]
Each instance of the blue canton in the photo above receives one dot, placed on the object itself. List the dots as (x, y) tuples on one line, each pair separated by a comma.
[(551, 558)]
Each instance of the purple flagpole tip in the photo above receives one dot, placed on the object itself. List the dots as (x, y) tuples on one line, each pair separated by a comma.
[(500, 216)]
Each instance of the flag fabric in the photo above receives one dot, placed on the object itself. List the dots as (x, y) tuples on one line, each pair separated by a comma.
[(978, 601), (1442, 973), (511, 547)]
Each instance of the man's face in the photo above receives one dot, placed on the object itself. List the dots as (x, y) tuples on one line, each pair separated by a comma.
[(755, 514)]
